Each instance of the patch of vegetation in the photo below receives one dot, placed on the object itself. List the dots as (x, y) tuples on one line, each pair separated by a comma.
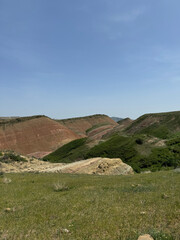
[(60, 187), (160, 235), (96, 207), (11, 157), (70, 152)]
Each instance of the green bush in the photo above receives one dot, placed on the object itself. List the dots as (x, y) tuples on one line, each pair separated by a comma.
[(139, 141), (10, 157)]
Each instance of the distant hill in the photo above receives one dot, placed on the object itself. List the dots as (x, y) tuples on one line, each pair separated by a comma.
[(116, 119), (82, 125), (161, 125), (36, 135), (40, 135), (152, 142)]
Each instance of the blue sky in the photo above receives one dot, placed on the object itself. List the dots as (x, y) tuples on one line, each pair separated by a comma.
[(67, 58)]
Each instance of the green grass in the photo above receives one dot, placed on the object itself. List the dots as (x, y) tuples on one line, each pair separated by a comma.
[(70, 152), (93, 207)]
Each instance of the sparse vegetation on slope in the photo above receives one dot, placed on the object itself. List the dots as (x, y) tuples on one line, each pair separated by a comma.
[(8, 157), (161, 125), (90, 207), (11, 121)]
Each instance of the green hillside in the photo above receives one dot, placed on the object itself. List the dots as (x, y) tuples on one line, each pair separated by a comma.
[(68, 153), (161, 125), (135, 151)]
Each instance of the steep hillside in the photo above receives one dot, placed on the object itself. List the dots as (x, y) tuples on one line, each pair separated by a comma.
[(34, 135), (70, 152), (83, 125), (161, 125)]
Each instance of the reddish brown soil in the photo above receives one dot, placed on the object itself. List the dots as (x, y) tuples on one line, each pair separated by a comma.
[(97, 133), (81, 125), (35, 135), (123, 124)]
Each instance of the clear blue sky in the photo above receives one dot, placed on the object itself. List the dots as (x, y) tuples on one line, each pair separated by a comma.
[(66, 58)]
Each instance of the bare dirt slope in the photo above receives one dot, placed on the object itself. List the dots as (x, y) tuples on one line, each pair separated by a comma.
[(37, 135), (100, 166), (81, 125)]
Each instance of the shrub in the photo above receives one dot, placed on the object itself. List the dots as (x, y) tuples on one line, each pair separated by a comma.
[(60, 187), (139, 141), (6, 180), (9, 157)]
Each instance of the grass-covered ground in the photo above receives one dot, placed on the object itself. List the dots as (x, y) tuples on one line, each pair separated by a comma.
[(90, 207)]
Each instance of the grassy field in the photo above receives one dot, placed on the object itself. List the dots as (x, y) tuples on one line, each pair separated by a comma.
[(62, 206)]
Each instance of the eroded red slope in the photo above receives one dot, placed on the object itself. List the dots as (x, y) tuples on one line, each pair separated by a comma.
[(82, 124), (35, 136)]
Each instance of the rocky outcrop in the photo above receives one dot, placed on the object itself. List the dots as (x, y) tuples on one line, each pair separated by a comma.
[(145, 237), (99, 166)]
